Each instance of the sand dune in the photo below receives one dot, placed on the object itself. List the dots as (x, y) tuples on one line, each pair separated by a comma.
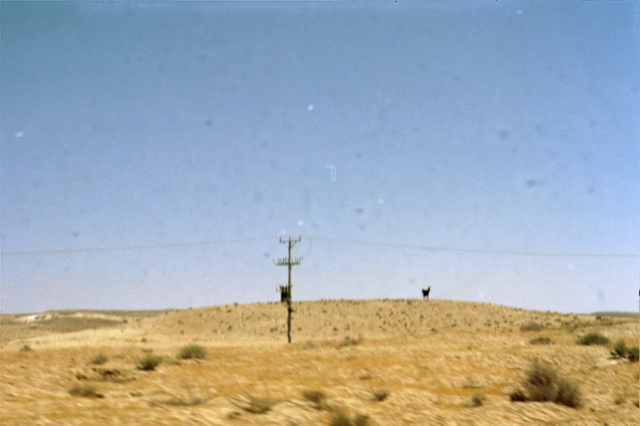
[(395, 361)]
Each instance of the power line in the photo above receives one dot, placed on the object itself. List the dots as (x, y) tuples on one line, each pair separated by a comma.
[(326, 240), (136, 247), (470, 250)]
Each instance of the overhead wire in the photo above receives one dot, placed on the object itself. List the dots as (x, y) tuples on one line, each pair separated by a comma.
[(326, 240), (471, 250), (133, 247)]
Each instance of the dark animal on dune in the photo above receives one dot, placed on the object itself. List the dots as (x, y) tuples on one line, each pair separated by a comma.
[(425, 293)]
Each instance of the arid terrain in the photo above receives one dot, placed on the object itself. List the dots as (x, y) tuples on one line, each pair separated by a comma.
[(378, 362)]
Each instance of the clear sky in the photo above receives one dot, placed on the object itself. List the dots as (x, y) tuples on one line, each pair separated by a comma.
[(152, 154)]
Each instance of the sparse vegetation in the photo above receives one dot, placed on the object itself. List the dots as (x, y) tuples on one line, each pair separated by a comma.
[(149, 362), (379, 395), (86, 391), (192, 352), (517, 395), (542, 384), (99, 359), (620, 349), (593, 339), (316, 397), (339, 418), (531, 326), (187, 401), (252, 404), (348, 341), (633, 354), (310, 381), (477, 400), (26, 348)]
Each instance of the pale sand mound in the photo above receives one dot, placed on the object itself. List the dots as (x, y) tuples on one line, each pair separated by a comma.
[(430, 358)]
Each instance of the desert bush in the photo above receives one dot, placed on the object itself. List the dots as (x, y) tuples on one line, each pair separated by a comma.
[(517, 395), (541, 341), (26, 348), (542, 384), (633, 354), (618, 399), (316, 397), (620, 349), (99, 359), (568, 393), (177, 401), (339, 418), (531, 326), (593, 339), (252, 404), (192, 352), (87, 391), (348, 341), (477, 400), (149, 362), (379, 395)]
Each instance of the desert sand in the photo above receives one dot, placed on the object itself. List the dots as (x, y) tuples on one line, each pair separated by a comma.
[(390, 362)]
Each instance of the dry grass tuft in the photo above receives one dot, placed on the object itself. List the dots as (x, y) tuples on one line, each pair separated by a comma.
[(348, 341), (541, 341), (339, 418), (253, 405), (99, 359), (192, 352), (593, 339), (477, 400), (149, 362), (176, 401), (316, 397), (86, 391), (379, 395)]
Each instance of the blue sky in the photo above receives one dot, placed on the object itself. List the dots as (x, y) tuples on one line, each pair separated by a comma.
[(152, 154)]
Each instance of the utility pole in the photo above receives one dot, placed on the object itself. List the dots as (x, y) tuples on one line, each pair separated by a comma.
[(285, 291)]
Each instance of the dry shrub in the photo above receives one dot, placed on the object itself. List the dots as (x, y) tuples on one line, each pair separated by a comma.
[(348, 341), (339, 418), (188, 400), (149, 362), (379, 395), (26, 348), (477, 400), (633, 354), (252, 404), (517, 395), (316, 397), (620, 349), (99, 359), (86, 391), (192, 352), (593, 339), (542, 384)]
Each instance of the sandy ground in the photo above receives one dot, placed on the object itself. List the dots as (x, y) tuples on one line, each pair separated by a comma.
[(395, 361)]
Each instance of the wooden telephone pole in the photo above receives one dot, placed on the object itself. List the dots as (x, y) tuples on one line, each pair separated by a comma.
[(285, 291)]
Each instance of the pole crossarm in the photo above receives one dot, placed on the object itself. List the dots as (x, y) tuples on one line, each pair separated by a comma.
[(285, 261)]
